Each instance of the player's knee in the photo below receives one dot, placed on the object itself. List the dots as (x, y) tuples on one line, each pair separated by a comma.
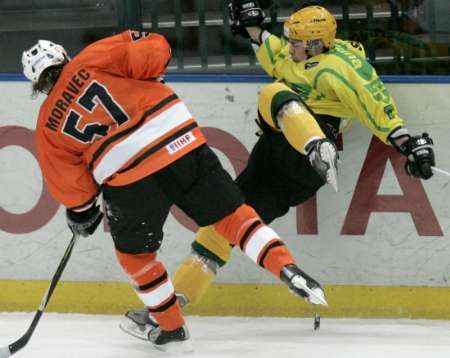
[(272, 99), (235, 227), (138, 242), (133, 264)]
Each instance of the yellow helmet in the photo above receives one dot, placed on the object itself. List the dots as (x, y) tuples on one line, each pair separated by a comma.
[(311, 23)]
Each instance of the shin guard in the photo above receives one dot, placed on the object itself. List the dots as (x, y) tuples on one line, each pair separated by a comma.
[(193, 278), (196, 273)]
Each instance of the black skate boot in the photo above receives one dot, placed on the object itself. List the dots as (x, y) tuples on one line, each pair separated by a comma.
[(303, 285), (176, 341)]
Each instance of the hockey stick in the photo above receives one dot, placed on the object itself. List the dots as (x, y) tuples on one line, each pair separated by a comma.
[(9, 350), (440, 171)]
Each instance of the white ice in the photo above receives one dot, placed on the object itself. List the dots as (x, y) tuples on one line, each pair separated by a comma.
[(86, 336)]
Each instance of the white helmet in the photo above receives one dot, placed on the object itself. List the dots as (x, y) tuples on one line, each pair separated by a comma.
[(41, 56)]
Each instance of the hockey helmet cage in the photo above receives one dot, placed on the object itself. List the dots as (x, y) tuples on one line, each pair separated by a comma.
[(41, 56), (311, 23)]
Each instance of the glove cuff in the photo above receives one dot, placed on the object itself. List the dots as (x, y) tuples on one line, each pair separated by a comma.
[(395, 135), (81, 216)]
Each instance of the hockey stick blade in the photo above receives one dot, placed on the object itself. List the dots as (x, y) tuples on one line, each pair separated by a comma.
[(9, 350), (440, 171)]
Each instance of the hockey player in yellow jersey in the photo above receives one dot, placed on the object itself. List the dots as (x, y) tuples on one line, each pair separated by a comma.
[(318, 80)]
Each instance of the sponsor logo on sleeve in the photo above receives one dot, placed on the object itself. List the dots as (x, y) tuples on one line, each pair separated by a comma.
[(180, 142)]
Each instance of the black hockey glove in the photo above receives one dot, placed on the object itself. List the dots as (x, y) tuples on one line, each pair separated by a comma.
[(84, 223), (244, 13), (421, 149)]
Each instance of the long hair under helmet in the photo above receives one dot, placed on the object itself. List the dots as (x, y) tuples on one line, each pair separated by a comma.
[(41, 56), (42, 65)]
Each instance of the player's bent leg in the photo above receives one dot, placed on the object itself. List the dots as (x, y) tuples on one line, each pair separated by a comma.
[(283, 110), (262, 245), (154, 288)]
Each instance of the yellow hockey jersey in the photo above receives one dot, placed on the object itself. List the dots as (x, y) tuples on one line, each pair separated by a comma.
[(340, 83)]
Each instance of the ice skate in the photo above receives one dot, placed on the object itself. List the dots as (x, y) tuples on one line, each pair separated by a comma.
[(323, 157), (138, 323), (176, 341), (303, 285)]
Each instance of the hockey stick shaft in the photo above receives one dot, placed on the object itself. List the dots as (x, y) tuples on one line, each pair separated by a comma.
[(22, 341), (440, 171)]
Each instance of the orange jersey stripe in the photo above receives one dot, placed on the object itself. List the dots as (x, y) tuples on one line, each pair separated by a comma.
[(101, 147), (153, 131), (158, 157)]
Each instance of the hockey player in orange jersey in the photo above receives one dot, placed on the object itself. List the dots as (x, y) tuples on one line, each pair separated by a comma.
[(110, 126)]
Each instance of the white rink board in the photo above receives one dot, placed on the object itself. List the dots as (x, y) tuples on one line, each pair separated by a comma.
[(390, 252)]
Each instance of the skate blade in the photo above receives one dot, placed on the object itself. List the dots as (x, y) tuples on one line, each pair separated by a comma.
[(316, 295), (328, 154), (131, 328), (179, 347)]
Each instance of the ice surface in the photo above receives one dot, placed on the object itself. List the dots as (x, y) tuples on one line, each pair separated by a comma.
[(86, 336)]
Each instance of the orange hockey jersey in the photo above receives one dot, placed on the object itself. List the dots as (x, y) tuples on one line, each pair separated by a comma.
[(109, 119)]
